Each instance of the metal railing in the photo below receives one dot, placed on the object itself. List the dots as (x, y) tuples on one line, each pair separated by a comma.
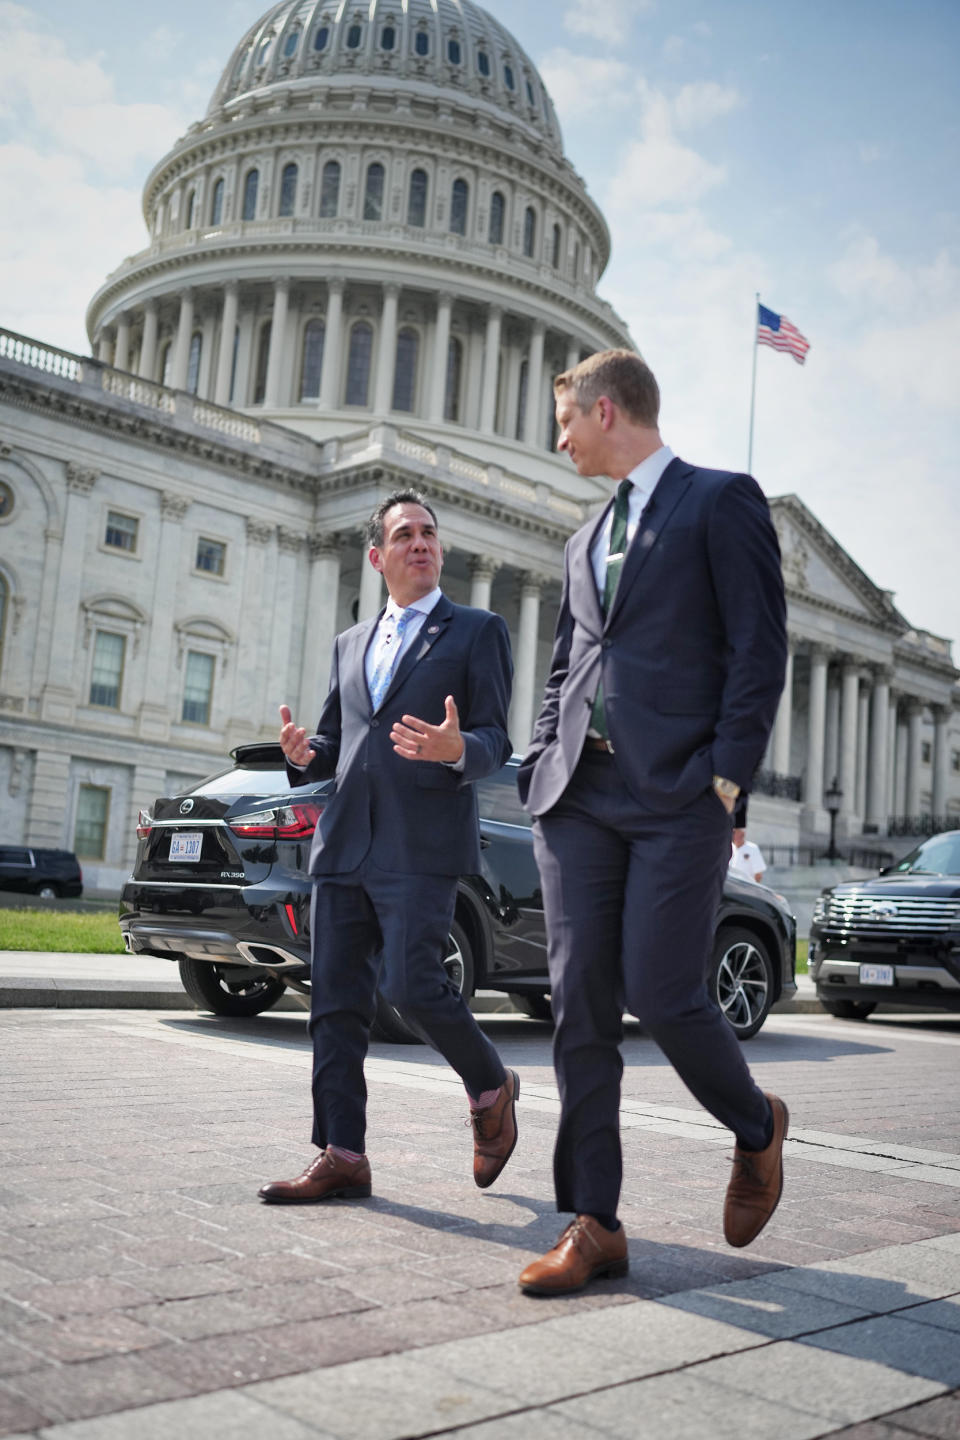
[(860, 857), (921, 825), (784, 787)]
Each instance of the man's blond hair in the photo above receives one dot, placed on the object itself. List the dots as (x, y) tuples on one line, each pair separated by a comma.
[(619, 374)]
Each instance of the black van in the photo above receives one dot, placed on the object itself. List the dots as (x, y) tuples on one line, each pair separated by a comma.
[(47, 873)]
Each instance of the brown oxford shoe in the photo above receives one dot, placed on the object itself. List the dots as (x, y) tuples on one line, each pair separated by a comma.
[(326, 1177), (495, 1132), (756, 1183), (585, 1251)]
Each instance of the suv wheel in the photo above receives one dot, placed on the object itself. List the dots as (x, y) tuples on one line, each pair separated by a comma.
[(849, 1009), (533, 1003), (389, 1024), (228, 989), (48, 892), (742, 980)]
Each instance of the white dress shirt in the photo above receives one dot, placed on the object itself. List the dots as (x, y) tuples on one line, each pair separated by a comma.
[(385, 638), (644, 479)]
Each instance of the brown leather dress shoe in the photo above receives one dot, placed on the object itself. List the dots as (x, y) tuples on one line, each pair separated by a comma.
[(495, 1132), (326, 1177), (585, 1251), (756, 1183)]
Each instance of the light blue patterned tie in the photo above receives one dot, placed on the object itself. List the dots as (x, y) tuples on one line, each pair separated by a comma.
[(389, 655)]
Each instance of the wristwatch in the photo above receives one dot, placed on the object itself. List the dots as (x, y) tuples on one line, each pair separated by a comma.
[(728, 788)]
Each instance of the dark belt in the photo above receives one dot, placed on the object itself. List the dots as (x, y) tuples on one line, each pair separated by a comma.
[(593, 742)]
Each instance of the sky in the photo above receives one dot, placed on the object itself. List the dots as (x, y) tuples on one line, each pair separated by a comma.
[(808, 150)]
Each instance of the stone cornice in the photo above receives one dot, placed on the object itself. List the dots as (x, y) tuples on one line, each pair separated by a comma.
[(883, 611)]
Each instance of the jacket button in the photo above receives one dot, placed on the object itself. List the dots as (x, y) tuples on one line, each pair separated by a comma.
[(607, 644), (374, 724)]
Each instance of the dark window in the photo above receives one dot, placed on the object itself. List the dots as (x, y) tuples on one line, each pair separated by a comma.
[(522, 400), (373, 194), (263, 357), (529, 231), (321, 38), (216, 207), (388, 37), (211, 556), (531, 98), (354, 36), (288, 189), (197, 689), (312, 367), (496, 218), (233, 361), (291, 43), (451, 399), (453, 52), (405, 370), (107, 672), (250, 185), (11, 855), (193, 362), (90, 831), (576, 261), (508, 79), (264, 51), (556, 247), (417, 201), (166, 363), (458, 207), (421, 43), (121, 532), (955, 761), (330, 190), (358, 363), (926, 752), (483, 62), (188, 211)]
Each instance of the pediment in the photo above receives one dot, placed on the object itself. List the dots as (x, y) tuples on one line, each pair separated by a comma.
[(816, 566)]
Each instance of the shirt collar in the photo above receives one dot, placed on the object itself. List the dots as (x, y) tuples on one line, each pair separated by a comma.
[(645, 475), (425, 604)]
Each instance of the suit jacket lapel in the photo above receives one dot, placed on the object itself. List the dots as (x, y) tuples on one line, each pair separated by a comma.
[(669, 490), (434, 624), (581, 558), (353, 677)]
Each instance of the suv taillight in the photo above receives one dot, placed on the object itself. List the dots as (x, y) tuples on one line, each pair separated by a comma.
[(287, 822), (144, 822)]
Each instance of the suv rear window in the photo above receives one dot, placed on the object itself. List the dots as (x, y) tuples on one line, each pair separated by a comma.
[(244, 780), (10, 856)]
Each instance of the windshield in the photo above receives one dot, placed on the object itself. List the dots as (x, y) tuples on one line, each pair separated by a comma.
[(939, 856), (244, 780)]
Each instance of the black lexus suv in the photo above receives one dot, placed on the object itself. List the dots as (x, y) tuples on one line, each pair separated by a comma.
[(220, 885), (894, 939)]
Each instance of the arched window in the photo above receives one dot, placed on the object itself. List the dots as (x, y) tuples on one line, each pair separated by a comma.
[(193, 362), (288, 189), (497, 208), (263, 356), (421, 43), (216, 205), (522, 400), (417, 200), (312, 364), (405, 370), (330, 190), (373, 193), (291, 43), (264, 51), (250, 186), (529, 231), (166, 362), (451, 399), (189, 208), (556, 247), (354, 36), (576, 261), (321, 39), (458, 207), (508, 79), (483, 63), (454, 53), (358, 363), (388, 37), (531, 97)]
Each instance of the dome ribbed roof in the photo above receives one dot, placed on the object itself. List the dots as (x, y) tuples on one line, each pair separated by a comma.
[(450, 45)]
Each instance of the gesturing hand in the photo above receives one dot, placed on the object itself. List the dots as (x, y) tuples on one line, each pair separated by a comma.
[(416, 740), (293, 740)]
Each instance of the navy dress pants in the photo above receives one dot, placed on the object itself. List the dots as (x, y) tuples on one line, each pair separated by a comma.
[(631, 900), (371, 929)]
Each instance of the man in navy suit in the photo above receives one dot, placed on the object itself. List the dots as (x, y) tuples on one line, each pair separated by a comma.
[(415, 714), (667, 666)]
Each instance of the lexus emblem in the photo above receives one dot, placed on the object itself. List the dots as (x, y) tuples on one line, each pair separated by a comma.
[(185, 807), (882, 910)]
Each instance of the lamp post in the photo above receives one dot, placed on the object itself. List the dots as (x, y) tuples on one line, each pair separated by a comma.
[(832, 801)]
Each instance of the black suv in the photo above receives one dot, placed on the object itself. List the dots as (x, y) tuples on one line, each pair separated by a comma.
[(220, 885), (46, 873), (894, 939)]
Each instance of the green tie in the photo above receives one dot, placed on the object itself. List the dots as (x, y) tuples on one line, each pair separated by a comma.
[(615, 558)]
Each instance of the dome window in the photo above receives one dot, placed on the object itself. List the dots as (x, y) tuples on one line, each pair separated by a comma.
[(250, 187), (188, 212), (193, 362), (483, 63), (529, 232), (417, 200), (531, 97), (556, 247), (454, 53), (291, 43), (388, 37), (354, 36), (264, 50), (405, 370), (288, 190), (330, 190), (322, 38), (373, 193), (459, 198), (358, 363), (451, 398), (263, 359), (508, 79), (496, 218), (216, 205), (421, 43), (312, 364)]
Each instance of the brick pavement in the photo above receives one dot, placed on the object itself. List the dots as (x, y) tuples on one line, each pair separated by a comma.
[(144, 1290)]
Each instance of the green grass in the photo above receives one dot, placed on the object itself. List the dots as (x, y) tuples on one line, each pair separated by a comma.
[(65, 930), (802, 956)]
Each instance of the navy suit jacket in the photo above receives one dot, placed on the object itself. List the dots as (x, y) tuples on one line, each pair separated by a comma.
[(692, 653), (410, 816)]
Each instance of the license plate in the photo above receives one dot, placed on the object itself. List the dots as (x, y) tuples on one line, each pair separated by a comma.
[(186, 846), (876, 974)]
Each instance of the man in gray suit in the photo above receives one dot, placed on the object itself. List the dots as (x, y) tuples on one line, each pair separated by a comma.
[(667, 666), (415, 714)]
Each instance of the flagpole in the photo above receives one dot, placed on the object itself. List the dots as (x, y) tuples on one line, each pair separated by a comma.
[(753, 384)]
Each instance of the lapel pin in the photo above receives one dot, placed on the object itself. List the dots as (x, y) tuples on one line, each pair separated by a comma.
[(433, 629)]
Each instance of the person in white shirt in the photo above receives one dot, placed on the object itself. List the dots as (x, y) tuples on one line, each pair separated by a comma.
[(745, 858)]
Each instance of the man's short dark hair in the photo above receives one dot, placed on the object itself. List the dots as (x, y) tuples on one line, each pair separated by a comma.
[(620, 374), (374, 530)]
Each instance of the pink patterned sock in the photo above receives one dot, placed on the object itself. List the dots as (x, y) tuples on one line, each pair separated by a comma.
[(484, 1100), (350, 1156)]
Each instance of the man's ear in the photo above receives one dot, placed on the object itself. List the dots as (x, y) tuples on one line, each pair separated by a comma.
[(606, 411), (375, 558)]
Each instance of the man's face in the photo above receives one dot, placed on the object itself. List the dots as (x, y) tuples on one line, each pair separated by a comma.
[(581, 435), (738, 837), (410, 558)]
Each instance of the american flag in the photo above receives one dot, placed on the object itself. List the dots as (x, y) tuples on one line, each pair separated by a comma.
[(776, 331)]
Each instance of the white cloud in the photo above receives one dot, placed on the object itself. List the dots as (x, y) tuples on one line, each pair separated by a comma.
[(701, 104), (580, 85), (608, 22)]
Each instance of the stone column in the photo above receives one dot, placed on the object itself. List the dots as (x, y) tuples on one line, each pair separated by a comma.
[(387, 350), (941, 757), (371, 588), (228, 328), (157, 710), (252, 626), (831, 734), (849, 723), (784, 721), (482, 570), (332, 345), (181, 351), (59, 695), (533, 418), (573, 354), (121, 352), (441, 345), (491, 370), (525, 669), (878, 775), (863, 730), (289, 545), (321, 624), (278, 344), (914, 732), (895, 742), (816, 718), (105, 346), (512, 390), (148, 345)]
